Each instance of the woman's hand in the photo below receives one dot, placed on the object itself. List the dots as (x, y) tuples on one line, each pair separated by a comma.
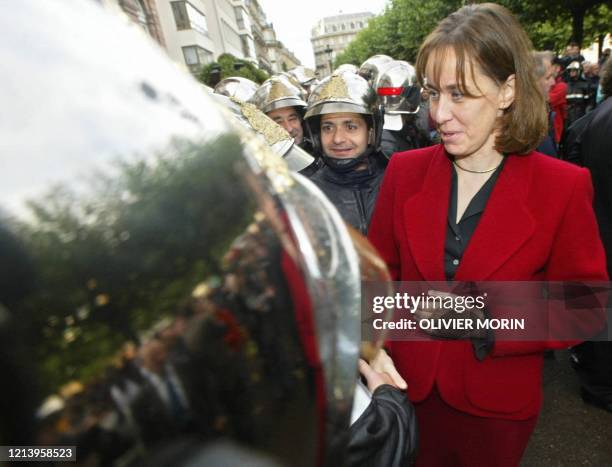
[(381, 370)]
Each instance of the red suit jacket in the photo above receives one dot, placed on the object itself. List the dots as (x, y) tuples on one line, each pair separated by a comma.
[(538, 225)]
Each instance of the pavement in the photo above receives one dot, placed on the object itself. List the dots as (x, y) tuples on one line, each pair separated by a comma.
[(569, 432)]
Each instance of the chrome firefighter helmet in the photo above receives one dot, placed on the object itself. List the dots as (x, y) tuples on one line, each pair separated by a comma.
[(373, 66), (398, 92), (346, 67), (278, 92), (237, 87), (171, 281), (305, 76), (275, 136), (343, 93)]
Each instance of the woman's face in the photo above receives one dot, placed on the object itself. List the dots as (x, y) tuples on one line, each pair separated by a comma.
[(467, 125)]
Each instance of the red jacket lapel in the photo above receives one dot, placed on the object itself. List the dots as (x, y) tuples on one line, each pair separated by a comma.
[(425, 215), (505, 225)]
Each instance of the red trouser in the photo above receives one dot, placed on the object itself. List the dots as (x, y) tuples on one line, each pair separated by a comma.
[(451, 438)]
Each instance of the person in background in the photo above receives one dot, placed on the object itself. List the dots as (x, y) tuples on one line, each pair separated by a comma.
[(481, 206), (344, 125), (593, 360), (578, 93), (572, 53), (284, 102), (557, 99), (591, 76), (546, 79)]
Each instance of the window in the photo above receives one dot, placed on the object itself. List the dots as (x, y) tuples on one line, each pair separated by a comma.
[(246, 49), (343, 26), (141, 15), (230, 35), (239, 18), (352, 25), (242, 19), (180, 15), (188, 17), (196, 57)]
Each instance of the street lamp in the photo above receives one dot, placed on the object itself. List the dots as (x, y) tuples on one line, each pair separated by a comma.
[(329, 51)]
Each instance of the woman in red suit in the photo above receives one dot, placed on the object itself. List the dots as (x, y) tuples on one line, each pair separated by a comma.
[(482, 206)]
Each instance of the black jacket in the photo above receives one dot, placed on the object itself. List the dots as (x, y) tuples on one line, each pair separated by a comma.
[(354, 193), (572, 139), (386, 434), (596, 153), (578, 99), (409, 137)]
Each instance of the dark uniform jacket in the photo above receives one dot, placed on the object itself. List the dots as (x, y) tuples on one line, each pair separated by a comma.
[(353, 193), (596, 154), (578, 98)]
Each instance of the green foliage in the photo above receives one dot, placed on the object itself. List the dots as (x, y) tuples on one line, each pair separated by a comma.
[(229, 65), (597, 23), (552, 24), (118, 261), (399, 31), (403, 26)]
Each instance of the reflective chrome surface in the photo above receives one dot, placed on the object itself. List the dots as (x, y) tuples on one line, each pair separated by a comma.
[(167, 280), (397, 88), (275, 136), (373, 66), (341, 92), (278, 92), (236, 87), (305, 76), (347, 67)]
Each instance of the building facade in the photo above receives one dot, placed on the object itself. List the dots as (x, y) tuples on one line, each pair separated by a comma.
[(272, 55), (245, 29), (259, 23), (279, 57), (196, 32), (331, 35), (141, 12)]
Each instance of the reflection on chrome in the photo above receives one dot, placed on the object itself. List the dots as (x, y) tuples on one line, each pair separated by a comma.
[(171, 293)]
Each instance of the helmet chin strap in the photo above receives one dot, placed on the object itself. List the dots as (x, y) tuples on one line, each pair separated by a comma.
[(347, 164)]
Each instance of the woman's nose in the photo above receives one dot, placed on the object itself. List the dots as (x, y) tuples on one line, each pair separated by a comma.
[(441, 110)]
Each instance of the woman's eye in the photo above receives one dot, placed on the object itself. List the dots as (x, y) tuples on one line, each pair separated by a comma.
[(456, 95), (433, 94)]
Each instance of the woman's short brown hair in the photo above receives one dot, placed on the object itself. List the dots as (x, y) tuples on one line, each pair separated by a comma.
[(489, 36)]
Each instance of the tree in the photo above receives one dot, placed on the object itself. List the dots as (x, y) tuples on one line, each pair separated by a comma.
[(404, 24), (118, 260), (228, 65), (552, 24), (399, 31)]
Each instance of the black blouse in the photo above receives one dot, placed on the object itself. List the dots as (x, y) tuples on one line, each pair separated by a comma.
[(458, 235)]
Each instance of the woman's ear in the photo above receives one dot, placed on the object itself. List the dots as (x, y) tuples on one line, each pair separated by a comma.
[(506, 93)]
